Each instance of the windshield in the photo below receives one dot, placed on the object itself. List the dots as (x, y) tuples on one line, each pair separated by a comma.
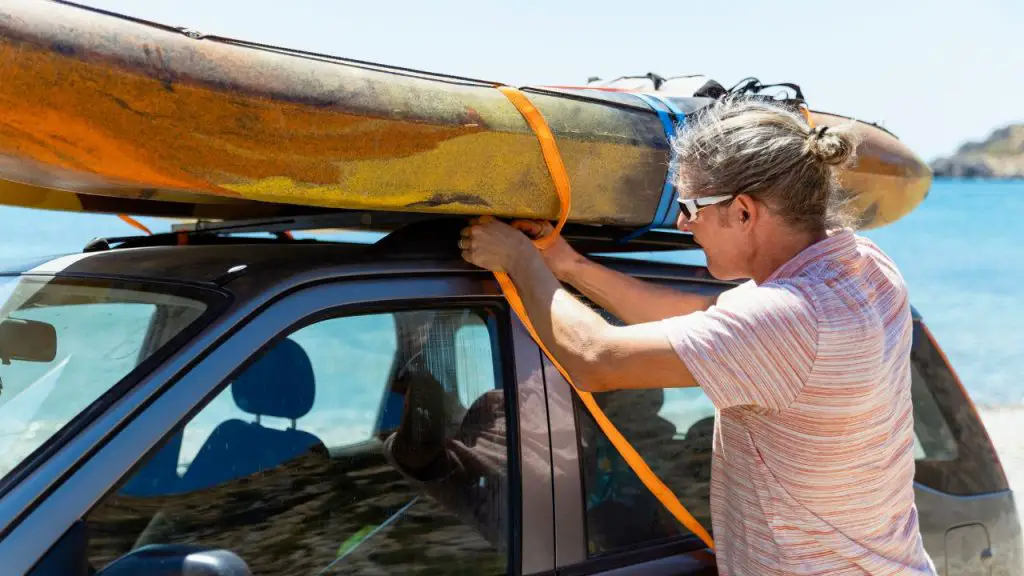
[(65, 342)]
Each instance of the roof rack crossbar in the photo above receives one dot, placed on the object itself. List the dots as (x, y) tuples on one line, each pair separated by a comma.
[(341, 220), (585, 238)]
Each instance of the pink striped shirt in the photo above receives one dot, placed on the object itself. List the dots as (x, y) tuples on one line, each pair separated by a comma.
[(809, 372)]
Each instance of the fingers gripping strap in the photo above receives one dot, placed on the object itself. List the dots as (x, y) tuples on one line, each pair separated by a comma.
[(561, 181)]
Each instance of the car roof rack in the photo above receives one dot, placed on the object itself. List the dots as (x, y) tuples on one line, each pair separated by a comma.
[(344, 220), (403, 231)]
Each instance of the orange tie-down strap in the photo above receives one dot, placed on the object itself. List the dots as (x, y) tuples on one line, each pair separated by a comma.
[(553, 159)]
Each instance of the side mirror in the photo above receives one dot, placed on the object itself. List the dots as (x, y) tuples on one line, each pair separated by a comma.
[(177, 560), (28, 340)]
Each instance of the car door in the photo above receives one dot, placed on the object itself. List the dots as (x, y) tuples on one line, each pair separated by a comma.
[(286, 446), (607, 521)]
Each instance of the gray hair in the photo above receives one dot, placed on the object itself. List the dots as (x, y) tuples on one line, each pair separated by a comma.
[(770, 152)]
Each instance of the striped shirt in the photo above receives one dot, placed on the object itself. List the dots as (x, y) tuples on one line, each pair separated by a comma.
[(809, 372)]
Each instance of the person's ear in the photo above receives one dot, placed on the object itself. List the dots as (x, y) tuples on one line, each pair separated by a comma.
[(746, 209)]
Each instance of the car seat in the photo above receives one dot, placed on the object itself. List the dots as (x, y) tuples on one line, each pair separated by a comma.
[(280, 384)]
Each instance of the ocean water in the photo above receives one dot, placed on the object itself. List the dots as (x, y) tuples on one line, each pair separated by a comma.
[(961, 252)]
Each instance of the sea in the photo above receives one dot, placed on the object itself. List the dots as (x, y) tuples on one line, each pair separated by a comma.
[(961, 252)]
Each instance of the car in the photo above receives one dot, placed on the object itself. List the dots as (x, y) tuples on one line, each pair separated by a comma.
[(234, 400)]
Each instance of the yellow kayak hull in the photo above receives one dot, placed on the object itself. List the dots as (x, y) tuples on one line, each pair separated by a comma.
[(103, 114)]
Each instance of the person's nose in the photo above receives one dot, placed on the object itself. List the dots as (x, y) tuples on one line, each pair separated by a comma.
[(683, 224)]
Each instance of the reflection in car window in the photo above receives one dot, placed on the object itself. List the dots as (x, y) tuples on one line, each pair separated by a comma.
[(672, 430), (343, 413), (103, 330), (346, 448), (673, 438)]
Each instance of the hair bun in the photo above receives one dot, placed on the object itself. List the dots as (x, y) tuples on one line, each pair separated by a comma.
[(830, 146)]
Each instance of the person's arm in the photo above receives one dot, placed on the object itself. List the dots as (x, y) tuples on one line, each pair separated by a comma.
[(631, 300), (599, 356), (757, 349), (465, 474)]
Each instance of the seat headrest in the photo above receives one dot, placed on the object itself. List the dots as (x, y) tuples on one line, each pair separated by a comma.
[(633, 403), (279, 384)]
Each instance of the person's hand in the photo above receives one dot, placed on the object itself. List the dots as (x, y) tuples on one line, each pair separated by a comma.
[(420, 438), (560, 257), (494, 245)]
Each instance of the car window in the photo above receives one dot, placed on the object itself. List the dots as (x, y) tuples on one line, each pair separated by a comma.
[(366, 444), (675, 442), (67, 342), (357, 364), (954, 452), (933, 440), (672, 430)]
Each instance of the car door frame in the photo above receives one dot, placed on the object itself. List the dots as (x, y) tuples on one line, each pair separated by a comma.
[(113, 457)]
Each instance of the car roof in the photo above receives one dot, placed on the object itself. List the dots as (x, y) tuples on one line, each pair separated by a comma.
[(217, 260)]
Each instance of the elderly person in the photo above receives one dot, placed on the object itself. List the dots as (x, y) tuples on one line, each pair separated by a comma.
[(807, 362)]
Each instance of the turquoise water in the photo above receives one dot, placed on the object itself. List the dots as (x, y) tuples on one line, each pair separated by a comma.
[(961, 251)]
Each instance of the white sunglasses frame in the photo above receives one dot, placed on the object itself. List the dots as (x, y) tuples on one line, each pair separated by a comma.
[(693, 206)]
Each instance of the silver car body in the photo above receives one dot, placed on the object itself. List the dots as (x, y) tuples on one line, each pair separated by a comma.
[(267, 288)]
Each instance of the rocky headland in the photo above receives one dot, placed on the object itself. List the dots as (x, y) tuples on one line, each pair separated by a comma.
[(1000, 156)]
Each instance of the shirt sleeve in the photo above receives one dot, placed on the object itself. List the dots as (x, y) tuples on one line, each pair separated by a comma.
[(756, 347)]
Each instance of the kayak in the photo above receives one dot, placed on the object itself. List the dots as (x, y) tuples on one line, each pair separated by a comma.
[(104, 113)]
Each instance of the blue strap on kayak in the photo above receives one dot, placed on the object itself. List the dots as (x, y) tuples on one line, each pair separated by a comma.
[(671, 125)]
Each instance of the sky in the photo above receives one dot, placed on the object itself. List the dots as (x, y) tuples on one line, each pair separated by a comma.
[(936, 73)]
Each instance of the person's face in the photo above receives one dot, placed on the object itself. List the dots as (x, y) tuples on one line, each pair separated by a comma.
[(723, 226)]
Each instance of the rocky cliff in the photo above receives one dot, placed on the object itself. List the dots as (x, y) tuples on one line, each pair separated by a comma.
[(1001, 155)]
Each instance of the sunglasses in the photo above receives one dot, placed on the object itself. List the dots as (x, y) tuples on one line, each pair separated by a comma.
[(690, 207)]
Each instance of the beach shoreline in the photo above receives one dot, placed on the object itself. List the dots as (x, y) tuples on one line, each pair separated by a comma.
[(1003, 426)]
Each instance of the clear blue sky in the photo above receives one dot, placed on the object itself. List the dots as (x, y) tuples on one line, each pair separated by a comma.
[(936, 73)]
